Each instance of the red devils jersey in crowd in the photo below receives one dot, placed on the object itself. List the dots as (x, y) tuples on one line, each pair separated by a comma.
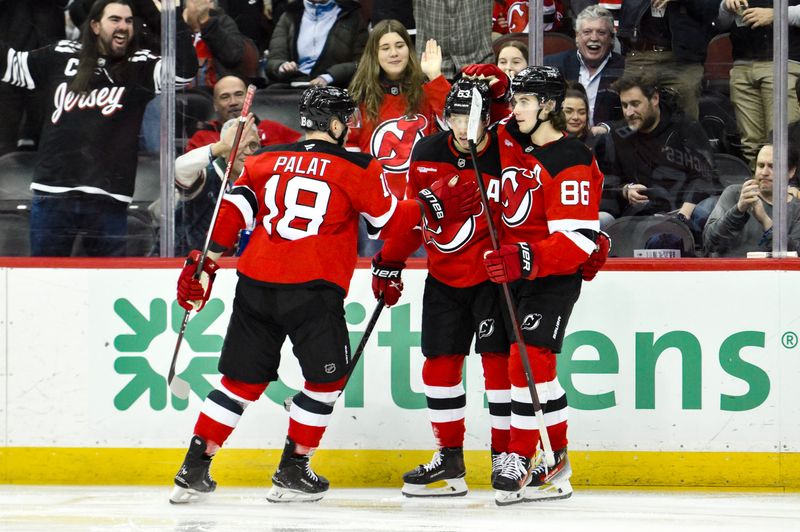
[(515, 13), (453, 250), (549, 194), (269, 133), (89, 141), (305, 199), (391, 138)]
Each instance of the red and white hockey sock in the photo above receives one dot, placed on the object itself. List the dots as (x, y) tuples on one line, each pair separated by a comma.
[(311, 412), (498, 392), (222, 410), (447, 400), (524, 428)]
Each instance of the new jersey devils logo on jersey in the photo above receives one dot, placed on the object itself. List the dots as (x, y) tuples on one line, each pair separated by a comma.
[(450, 237), (517, 186), (393, 140)]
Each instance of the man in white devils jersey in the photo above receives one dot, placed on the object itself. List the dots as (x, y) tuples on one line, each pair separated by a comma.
[(97, 92)]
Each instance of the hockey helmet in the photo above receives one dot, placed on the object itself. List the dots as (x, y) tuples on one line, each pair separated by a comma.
[(318, 105), (459, 99), (546, 82)]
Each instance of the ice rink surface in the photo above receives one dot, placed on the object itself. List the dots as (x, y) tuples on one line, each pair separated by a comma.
[(86, 509)]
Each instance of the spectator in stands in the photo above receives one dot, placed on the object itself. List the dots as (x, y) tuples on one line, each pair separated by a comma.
[(317, 41), (511, 16), (742, 218), (251, 18), (669, 37), (229, 93), (750, 26), (662, 159), (512, 57), (463, 29), (97, 91), (147, 19), (221, 48), (576, 114), (400, 98), (399, 10), (595, 65), (198, 178), (26, 26)]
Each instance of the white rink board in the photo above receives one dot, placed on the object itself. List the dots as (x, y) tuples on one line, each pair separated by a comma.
[(68, 362)]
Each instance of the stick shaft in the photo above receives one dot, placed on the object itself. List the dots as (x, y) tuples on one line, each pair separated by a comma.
[(523, 350), (248, 101)]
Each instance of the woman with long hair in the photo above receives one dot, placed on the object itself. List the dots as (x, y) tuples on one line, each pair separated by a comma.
[(400, 98)]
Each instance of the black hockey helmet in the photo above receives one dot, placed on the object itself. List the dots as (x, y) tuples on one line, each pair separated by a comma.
[(319, 104), (546, 82), (459, 99)]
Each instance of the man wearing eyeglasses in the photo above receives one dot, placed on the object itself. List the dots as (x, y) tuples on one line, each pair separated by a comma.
[(595, 65)]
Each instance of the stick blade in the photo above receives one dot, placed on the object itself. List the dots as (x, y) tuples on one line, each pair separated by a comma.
[(474, 116), (179, 388)]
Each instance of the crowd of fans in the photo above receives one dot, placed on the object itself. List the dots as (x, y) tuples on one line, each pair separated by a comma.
[(638, 96)]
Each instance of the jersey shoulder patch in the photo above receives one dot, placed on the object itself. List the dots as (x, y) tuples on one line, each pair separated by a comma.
[(563, 154)]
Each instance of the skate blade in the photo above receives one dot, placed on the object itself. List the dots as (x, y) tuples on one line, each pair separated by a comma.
[(278, 494), (505, 498), (454, 487), (181, 495), (548, 492)]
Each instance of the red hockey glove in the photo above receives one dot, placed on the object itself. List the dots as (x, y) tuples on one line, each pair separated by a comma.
[(509, 263), (191, 290), (386, 279), (498, 89), (450, 197), (598, 257)]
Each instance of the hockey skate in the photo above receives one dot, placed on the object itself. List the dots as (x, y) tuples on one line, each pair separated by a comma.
[(193, 481), (550, 483), (294, 480), (498, 459), (511, 480), (442, 477)]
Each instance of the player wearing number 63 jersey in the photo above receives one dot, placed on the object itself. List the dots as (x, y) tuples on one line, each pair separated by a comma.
[(459, 302), (550, 194), (304, 200)]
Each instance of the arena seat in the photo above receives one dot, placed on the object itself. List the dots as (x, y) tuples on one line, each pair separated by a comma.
[(732, 170), (15, 235), (16, 174), (648, 235), (278, 105)]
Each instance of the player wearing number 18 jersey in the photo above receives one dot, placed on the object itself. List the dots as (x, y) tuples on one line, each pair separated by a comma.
[(304, 200), (550, 194)]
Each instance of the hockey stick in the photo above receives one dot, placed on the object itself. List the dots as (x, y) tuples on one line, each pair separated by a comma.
[(472, 136), (287, 403), (179, 387)]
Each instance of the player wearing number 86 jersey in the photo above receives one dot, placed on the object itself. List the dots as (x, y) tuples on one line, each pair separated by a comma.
[(550, 195)]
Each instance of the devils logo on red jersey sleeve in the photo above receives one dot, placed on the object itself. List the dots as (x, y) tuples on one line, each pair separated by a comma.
[(517, 186), (449, 237), (393, 140)]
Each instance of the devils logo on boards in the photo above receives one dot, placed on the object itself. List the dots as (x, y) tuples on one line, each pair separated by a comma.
[(517, 185)]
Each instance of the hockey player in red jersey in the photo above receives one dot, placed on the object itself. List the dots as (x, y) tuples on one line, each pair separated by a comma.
[(459, 302), (550, 193), (304, 199)]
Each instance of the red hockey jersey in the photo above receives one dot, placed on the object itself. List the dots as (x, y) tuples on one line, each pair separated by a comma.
[(391, 138), (304, 200), (269, 133), (549, 195), (454, 250)]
